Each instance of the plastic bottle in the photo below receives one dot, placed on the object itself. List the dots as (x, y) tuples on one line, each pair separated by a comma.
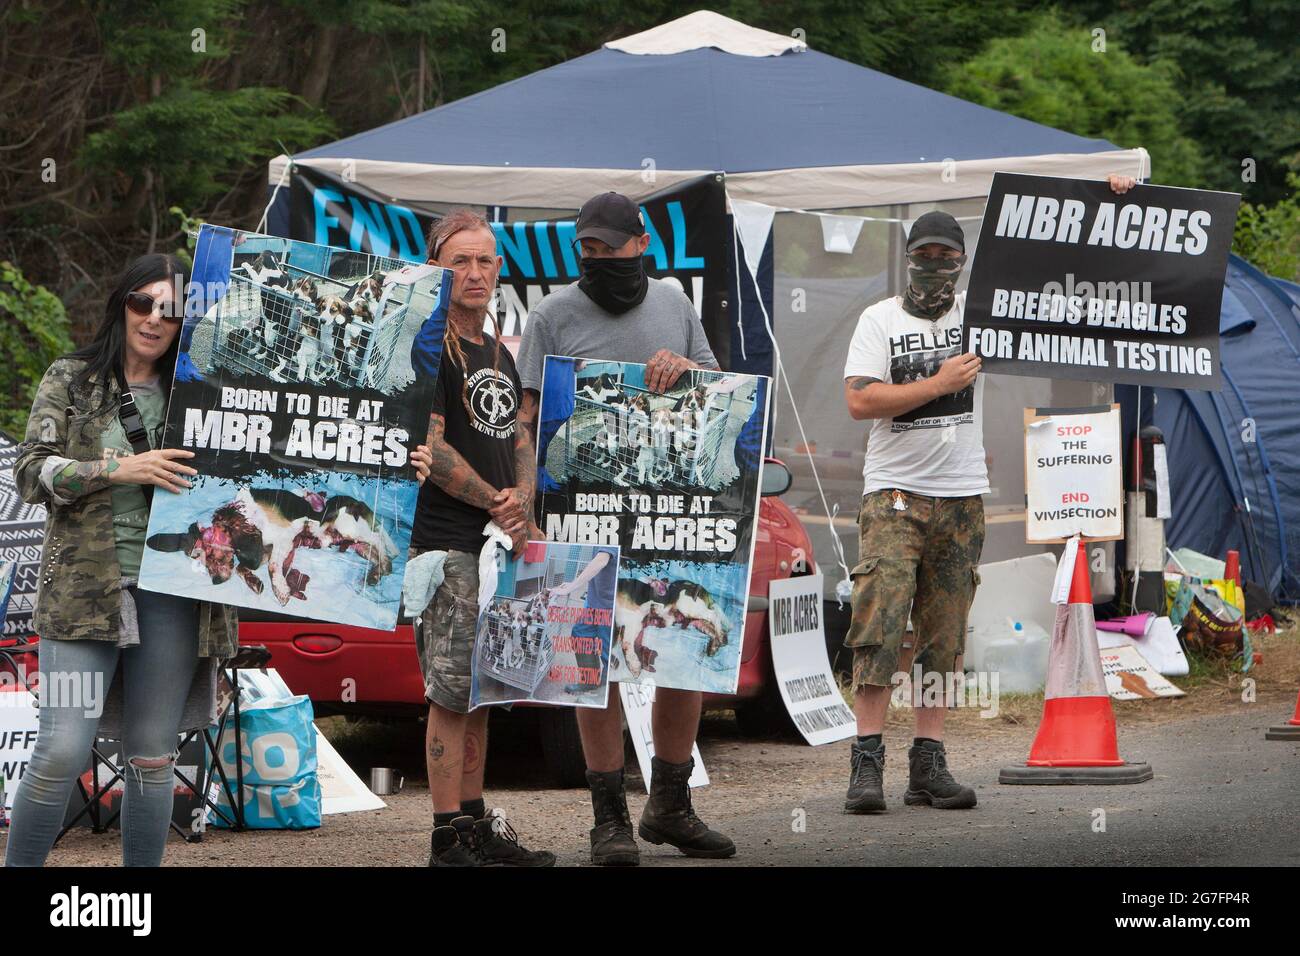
[(1019, 658)]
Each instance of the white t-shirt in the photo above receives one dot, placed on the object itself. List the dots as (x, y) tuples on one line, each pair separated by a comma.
[(937, 449)]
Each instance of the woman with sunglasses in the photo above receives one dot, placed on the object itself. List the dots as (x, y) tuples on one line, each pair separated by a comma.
[(115, 660)]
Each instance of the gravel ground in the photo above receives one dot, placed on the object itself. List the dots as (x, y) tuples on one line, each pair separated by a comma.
[(1221, 795)]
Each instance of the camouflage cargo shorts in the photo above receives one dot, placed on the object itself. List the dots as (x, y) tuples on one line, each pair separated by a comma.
[(445, 632), (921, 559)]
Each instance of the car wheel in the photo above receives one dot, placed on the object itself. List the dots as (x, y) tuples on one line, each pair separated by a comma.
[(562, 747), (765, 717)]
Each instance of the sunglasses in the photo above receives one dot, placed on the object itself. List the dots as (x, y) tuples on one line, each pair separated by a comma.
[(141, 303)]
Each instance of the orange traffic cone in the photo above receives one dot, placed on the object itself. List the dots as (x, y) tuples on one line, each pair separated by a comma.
[(1232, 568), (1288, 731), (1076, 742)]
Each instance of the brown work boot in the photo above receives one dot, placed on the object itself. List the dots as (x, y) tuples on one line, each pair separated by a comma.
[(612, 843), (669, 818)]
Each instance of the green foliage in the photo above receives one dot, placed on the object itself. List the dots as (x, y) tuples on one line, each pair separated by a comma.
[(1238, 73), (33, 333), (157, 37), (199, 141), (190, 226), (1051, 75), (1269, 236)]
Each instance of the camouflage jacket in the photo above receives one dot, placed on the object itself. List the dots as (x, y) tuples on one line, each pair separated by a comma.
[(79, 596)]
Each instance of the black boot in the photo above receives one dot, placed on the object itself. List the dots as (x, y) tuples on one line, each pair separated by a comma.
[(454, 845), (866, 779), (497, 844), (930, 782), (612, 843), (669, 818)]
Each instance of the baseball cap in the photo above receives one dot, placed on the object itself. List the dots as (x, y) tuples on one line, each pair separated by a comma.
[(937, 227), (610, 217)]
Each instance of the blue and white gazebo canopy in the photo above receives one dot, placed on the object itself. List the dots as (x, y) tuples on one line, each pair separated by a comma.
[(788, 125)]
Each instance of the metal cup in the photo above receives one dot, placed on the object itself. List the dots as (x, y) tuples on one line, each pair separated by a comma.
[(385, 781)]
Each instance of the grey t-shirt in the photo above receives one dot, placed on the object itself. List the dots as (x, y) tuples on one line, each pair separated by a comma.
[(567, 322)]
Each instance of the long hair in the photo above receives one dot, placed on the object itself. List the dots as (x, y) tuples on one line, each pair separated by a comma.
[(104, 355), (458, 220)]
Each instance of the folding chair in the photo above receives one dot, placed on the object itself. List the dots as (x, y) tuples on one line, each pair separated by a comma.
[(248, 656)]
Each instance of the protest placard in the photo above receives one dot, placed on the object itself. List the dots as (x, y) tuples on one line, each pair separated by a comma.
[(673, 479), (304, 381), (803, 671), (1073, 479), (1073, 281), (545, 628)]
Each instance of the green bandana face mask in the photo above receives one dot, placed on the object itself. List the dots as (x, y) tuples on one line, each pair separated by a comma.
[(931, 285)]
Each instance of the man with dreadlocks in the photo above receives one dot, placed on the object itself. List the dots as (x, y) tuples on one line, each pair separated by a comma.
[(476, 467), (921, 524)]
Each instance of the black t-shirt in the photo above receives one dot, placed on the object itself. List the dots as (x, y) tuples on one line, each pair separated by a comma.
[(485, 438)]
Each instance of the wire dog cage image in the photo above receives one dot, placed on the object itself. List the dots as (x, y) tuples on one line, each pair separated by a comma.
[(295, 312), (518, 649), (623, 433)]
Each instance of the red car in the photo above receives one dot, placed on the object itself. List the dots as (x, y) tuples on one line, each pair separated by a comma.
[(359, 671)]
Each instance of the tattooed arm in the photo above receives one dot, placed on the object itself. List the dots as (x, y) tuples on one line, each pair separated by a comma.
[(528, 413), (66, 480), (512, 508), (451, 472), (869, 397)]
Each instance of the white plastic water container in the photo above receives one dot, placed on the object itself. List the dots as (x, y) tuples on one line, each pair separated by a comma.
[(1019, 657)]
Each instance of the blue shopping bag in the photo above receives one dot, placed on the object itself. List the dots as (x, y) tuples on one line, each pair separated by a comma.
[(278, 753)]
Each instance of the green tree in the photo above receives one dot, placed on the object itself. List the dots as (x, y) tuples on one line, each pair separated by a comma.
[(33, 333), (1238, 73), (1268, 236), (1052, 75)]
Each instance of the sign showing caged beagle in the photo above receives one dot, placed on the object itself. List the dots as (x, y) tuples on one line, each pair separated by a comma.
[(296, 389)]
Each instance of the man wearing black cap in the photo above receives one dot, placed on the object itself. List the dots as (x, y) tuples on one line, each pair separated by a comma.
[(617, 313), (921, 525)]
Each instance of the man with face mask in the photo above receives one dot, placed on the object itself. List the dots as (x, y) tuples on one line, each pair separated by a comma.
[(616, 313), (921, 525), (922, 517)]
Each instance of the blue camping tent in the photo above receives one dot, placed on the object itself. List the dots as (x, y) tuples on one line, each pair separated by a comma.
[(1234, 455)]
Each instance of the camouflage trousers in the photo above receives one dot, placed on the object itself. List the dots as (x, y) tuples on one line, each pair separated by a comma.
[(921, 559), (445, 632)]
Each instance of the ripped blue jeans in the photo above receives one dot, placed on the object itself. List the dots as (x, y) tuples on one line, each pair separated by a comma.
[(75, 677)]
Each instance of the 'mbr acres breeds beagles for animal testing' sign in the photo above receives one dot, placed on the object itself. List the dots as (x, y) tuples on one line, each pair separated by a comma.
[(1073, 482), (673, 479), (304, 382), (1073, 281)]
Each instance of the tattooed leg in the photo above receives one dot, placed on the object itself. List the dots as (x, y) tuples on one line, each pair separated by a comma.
[(475, 756), (444, 753)]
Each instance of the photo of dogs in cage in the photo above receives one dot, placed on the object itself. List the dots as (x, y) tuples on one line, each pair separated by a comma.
[(621, 433), (295, 312), (680, 624), (545, 632), (324, 547)]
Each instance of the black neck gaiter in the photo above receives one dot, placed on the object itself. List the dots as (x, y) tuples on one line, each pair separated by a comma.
[(616, 285)]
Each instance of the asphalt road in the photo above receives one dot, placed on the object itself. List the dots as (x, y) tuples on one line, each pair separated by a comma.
[(1222, 795)]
